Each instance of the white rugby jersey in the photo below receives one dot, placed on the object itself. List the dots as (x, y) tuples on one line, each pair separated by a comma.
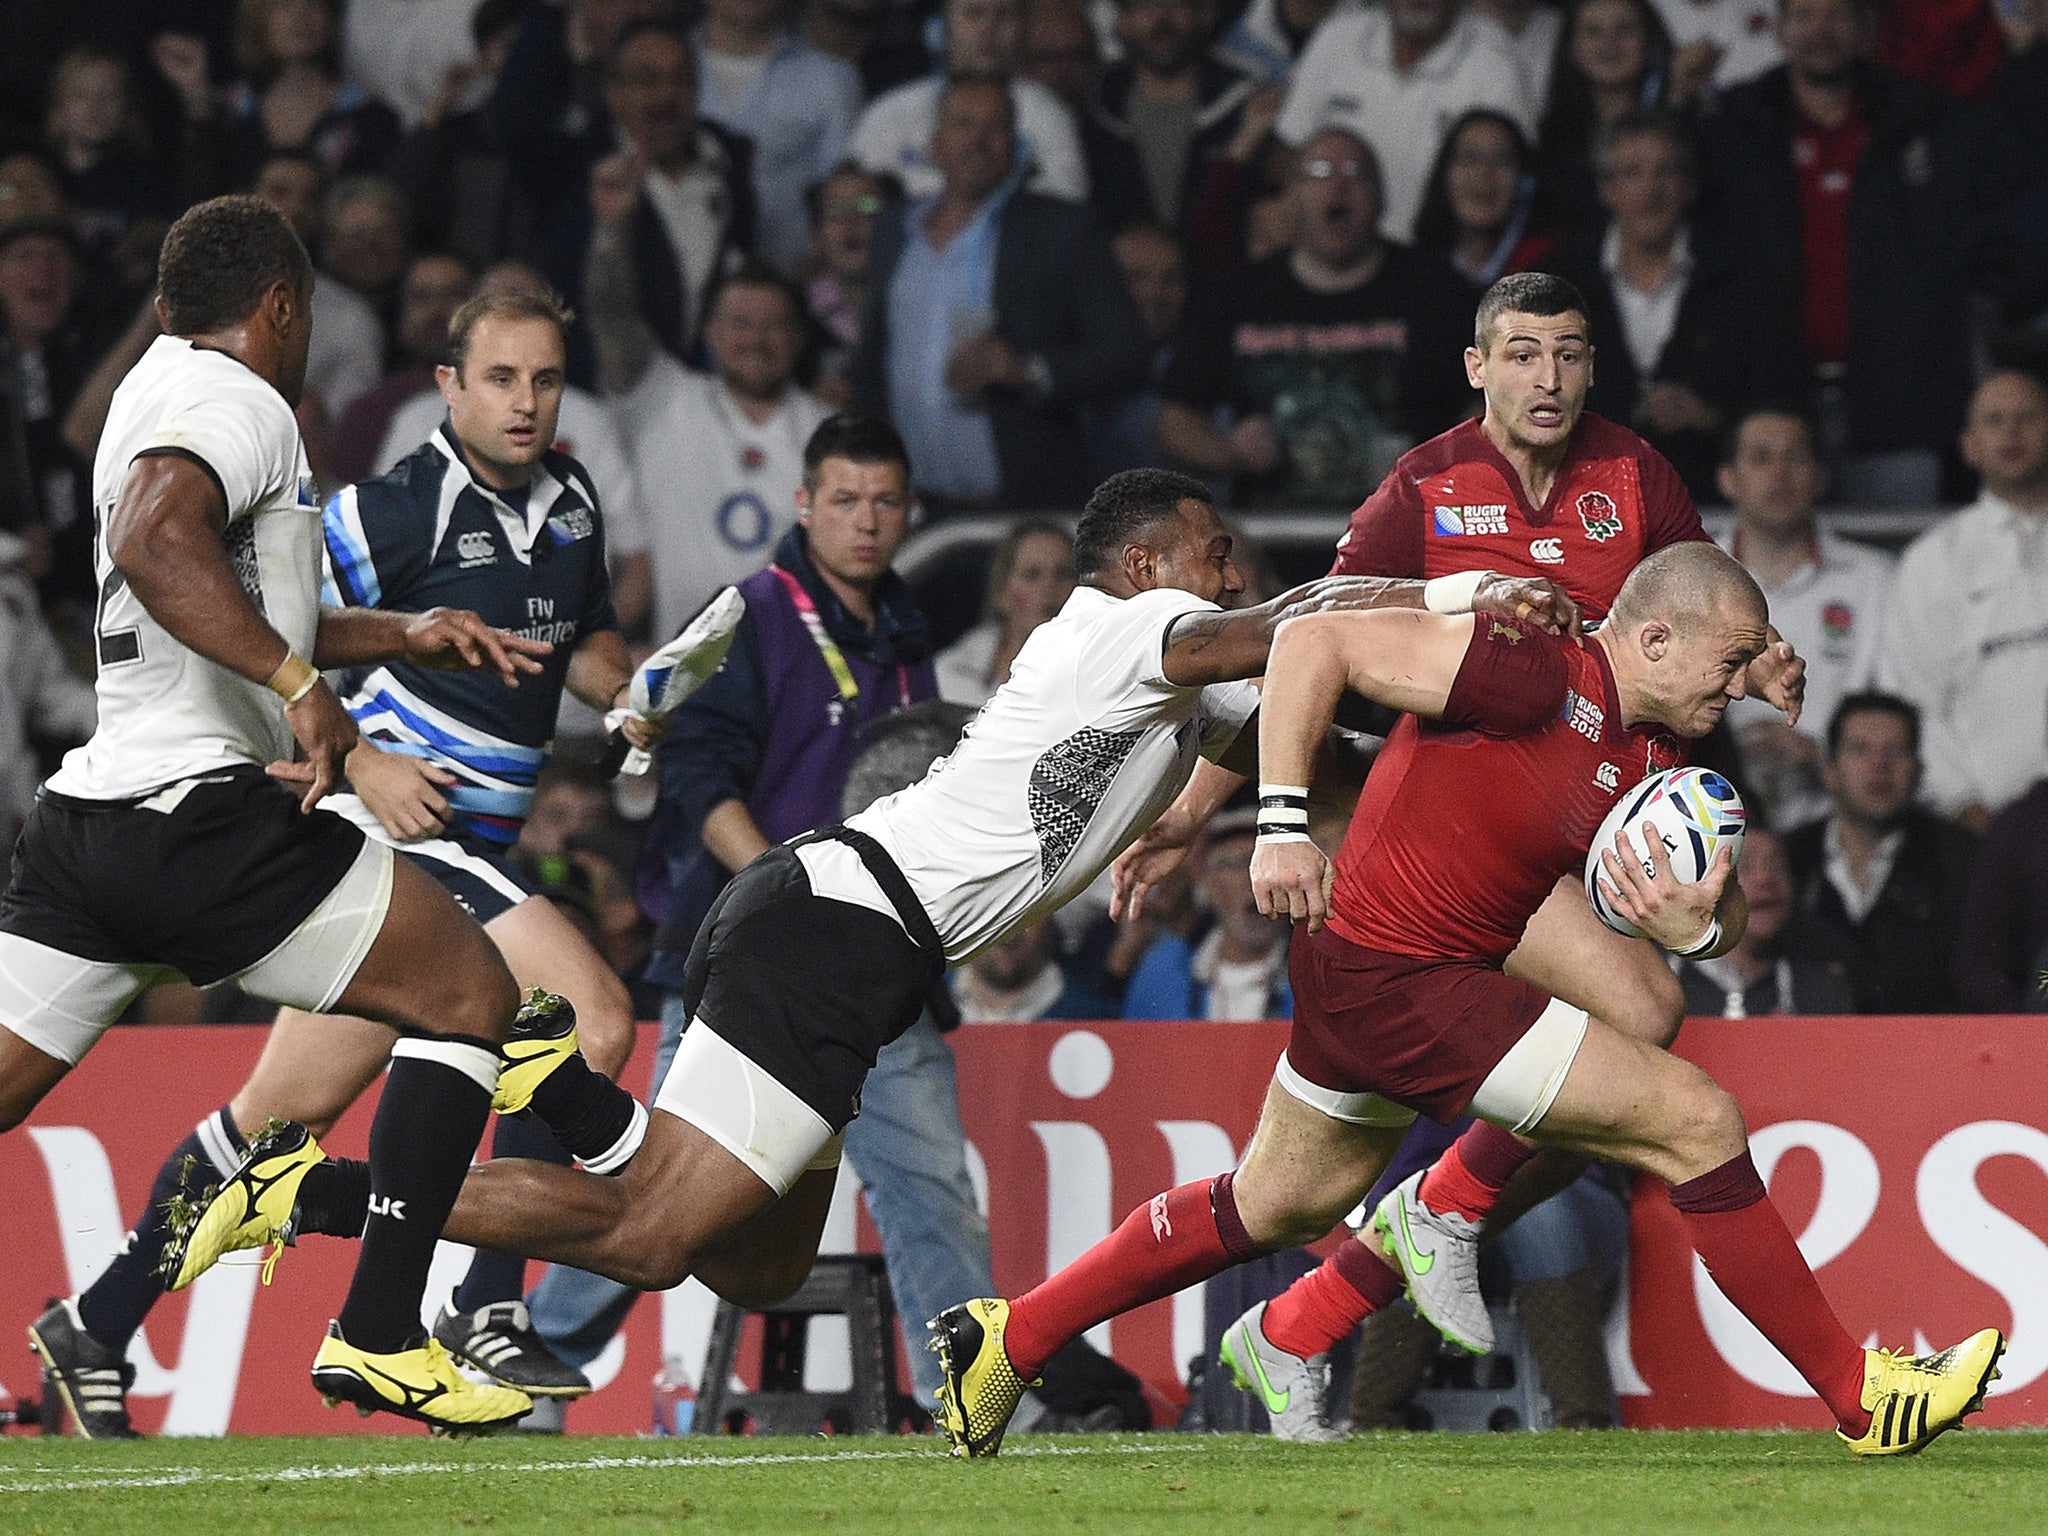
[(720, 489), (1833, 612), (1075, 755), (165, 712)]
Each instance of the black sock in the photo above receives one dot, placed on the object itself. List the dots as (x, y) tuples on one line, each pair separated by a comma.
[(502, 1276), (429, 1120), (334, 1198), (114, 1305), (599, 1123)]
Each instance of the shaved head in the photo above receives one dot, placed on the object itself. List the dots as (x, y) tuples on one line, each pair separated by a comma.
[(1686, 585)]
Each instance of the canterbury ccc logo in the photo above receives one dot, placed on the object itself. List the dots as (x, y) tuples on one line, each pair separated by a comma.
[(1547, 551)]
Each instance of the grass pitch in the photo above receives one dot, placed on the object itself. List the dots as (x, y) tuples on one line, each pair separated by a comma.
[(1471, 1485)]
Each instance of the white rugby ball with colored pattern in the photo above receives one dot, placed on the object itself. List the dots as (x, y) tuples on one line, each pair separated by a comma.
[(1695, 812)]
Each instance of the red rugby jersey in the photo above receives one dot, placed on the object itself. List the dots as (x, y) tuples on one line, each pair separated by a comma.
[(1466, 822), (1456, 504)]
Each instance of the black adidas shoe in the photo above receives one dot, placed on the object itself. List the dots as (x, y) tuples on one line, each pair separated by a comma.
[(87, 1377), (499, 1341)]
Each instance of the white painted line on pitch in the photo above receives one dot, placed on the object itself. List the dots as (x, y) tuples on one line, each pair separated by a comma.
[(188, 1476)]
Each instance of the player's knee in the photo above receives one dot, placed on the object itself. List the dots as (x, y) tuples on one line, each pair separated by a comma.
[(604, 1025), (1708, 1128)]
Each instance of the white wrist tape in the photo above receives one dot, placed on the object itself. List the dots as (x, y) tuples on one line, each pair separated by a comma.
[(1452, 593), (1706, 943), (1283, 813)]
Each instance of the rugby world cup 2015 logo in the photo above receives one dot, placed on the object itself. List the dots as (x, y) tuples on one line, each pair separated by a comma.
[(1600, 515)]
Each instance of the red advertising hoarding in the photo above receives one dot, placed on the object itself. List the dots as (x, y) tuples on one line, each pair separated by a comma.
[(1910, 1157)]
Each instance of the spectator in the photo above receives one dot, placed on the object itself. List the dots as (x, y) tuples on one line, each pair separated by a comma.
[(586, 432), (1270, 36), (1124, 434), (1477, 207), (292, 95), (1061, 52), (433, 289), (452, 165), (2016, 241), (363, 240), (1030, 578), (45, 355), (831, 640), (1951, 46), (2002, 937), (1766, 973), (729, 445), (1827, 597), (795, 102), (983, 38), (1836, 180), (1239, 968), (1020, 980), (419, 57), (1163, 115), (1335, 357), (888, 41), (569, 805), (1685, 337), (997, 317), (1613, 60), (1878, 884), (1725, 42), (95, 131), (40, 696), (1966, 633), (548, 105), (1396, 78), (1534, 30), (844, 208), (694, 218)]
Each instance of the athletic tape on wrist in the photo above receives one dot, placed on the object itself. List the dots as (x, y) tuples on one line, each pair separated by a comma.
[(293, 679), (1452, 593), (1712, 937), (1283, 813)]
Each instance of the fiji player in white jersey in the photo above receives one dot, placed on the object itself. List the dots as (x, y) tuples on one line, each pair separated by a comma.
[(822, 950), (487, 516), (167, 845)]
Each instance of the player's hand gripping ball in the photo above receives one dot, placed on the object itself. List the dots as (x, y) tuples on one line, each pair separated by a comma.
[(1694, 810)]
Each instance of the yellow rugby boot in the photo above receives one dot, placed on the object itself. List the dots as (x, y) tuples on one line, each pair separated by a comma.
[(978, 1388), (1914, 1398)]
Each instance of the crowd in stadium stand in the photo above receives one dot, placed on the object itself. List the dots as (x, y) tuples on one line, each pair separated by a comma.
[(1051, 239)]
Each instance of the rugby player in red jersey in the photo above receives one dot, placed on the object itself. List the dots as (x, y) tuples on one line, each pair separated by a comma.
[(1490, 790), (1534, 486)]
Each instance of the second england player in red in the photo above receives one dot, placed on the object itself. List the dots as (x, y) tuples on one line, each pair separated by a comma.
[(1514, 748)]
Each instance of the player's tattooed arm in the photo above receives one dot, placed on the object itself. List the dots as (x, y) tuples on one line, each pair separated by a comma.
[(1218, 647)]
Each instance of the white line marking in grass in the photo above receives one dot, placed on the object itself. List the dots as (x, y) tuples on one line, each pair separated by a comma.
[(182, 1477)]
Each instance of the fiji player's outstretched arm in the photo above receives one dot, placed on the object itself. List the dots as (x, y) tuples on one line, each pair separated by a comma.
[(1208, 648)]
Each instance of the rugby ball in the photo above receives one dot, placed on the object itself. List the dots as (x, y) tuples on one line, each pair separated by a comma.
[(1694, 810)]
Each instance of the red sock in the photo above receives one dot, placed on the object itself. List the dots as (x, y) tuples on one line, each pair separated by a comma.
[(1325, 1304), (1470, 1175), (1165, 1245), (1742, 1240)]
